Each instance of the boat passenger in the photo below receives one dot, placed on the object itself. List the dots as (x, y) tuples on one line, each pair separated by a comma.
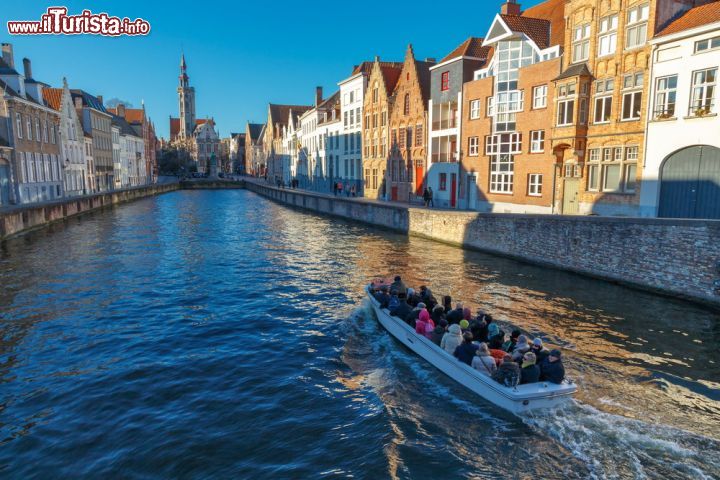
[(437, 334), (394, 301), (496, 342), (493, 328), (466, 350), (382, 297), (399, 285), (483, 361), (414, 314), (425, 294), (438, 313), (465, 326), (424, 325), (530, 372), (455, 315), (541, 353), (508, 373), (451, 339), (402, 310), (509, 346), (552, 368), (497, 354), (412, 297), (478, 327), (467, 314), (521, 348), (447, 303)]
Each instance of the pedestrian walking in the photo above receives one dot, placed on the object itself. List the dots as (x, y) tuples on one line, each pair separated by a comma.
[(426, 197), (431, 196)]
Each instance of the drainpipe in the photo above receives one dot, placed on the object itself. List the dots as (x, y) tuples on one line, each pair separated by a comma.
[(554, 186)]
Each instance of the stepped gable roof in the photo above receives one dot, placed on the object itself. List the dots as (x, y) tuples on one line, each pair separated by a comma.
[(88, 100), (472, 47), (423, 73), (53, 98), (391, 75), (366, 67), (577, 70), (695, 17), (254, 130), (537, 29), (554, 12)]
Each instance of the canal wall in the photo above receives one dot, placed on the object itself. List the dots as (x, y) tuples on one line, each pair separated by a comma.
[(19, 219), (669, 256)]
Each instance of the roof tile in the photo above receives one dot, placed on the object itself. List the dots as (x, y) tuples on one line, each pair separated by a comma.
[(695, 17)]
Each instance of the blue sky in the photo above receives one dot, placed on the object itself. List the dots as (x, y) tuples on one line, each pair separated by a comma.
[(241, 55)]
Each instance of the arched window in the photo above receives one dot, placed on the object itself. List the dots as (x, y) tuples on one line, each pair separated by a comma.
[(407, 104)]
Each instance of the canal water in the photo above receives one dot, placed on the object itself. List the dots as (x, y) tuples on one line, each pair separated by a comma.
[(214, 334)]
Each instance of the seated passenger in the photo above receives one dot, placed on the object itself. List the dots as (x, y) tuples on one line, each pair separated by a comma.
[(437, 314), (498, 355), (414, 314), (447, 304), (466, 350), (508, 373), (424, 324), (493, 328), (455, 315), (552, 368), (398, 285), (509, 346), (483, 361), (467, 314), (497, 341), (541, 353), (394, 301), (529, 371), (478, 327), (464, 326), (451, 339), (425, 294), (382, 297), (521, 349), (402, 310), (412, 297), (437, 334)]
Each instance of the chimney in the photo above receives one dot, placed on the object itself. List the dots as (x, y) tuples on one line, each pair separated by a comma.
[(510, 7), (27, 68), (430, 60), (99, 97), (121, 110), (318, 95), (7, 55)]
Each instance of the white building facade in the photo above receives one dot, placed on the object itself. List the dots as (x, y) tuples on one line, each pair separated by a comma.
[(681, 174), (352, 94)]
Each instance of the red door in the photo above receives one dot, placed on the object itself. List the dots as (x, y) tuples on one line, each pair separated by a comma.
[(393, 193), (419, 177), (453, 189)]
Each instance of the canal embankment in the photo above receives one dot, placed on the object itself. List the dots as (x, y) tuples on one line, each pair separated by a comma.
[(20, 219), (673, 257)]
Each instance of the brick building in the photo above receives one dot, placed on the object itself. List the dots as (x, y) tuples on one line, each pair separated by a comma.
[(407, 160), (377, 105), (507, 164)]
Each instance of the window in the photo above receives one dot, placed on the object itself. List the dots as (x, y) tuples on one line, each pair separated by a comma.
[(502, 170), (28, 128), (581, 43), (401, 138), (540, 96), (52, 133), (535, 185), (18, 125), (383, 119), (490, 108), (665, 95), (418, 135), (610, 171), (375, 93), (537, 141), (603, 100), (703, 91), (707, 44), (607, 40), (374, 178), (443, 182), (406, 106), (632, 96), (636, 26), (582, 111), (473, 146), (445, 81), (474, 109), (503, 143), (37, 129), (367, 177), (45, 132), (565, 112), (345, 119)]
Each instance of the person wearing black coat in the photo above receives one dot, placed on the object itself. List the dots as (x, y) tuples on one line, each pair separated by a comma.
[(466, 350), (398, 285), (552, 369), (529, 373), (383, 297), (402, 310), (437, 314), (456, 315)]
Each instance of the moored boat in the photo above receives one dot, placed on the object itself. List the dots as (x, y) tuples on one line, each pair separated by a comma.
[(519, 399)]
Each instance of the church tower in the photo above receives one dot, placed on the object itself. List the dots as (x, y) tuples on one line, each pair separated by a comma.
[(186, 98)]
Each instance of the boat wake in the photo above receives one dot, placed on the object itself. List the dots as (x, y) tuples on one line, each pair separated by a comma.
[(613, 446)]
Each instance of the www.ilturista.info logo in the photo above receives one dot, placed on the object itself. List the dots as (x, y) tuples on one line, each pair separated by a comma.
[(57, 22)]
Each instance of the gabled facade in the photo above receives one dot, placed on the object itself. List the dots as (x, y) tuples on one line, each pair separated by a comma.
[(272, 140), (72, 142), (407, 160), (253, 149), (507, 164), (96, 121), (352, 94), (377, 104), (681, 171), (601, 98), (207, 145), (444, 115), (315, 165)]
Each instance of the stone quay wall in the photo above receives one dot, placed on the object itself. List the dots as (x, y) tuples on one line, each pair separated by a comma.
[(673, 257), (16, 220)]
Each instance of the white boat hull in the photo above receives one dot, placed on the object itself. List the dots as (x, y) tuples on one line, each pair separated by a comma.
[(517, 400)]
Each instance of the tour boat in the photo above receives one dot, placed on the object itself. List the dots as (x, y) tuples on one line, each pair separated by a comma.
[(519, 399)]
